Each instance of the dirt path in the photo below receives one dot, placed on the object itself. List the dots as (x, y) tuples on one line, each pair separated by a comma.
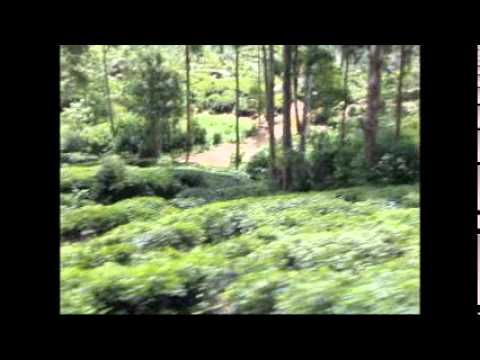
[(220, 156)]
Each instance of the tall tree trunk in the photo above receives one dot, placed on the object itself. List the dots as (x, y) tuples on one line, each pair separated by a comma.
[(287, 128), (107, 90), (370, 126), (189, 114), (306, 109), (259, 100), (295, 88), (237, 107), (399, 99), (270, 104), (343, 125)]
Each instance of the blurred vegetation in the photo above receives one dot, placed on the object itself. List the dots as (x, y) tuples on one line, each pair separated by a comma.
[(329, 252), (149, 235)]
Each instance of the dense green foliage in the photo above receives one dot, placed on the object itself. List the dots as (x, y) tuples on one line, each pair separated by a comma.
[(144, 231), (234, 257)]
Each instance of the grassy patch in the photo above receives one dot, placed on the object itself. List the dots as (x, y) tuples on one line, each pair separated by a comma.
[(223, 124)]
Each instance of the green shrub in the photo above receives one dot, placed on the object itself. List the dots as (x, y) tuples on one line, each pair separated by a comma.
[(181, 236), (323, 292), (72, 140), (190, 178), (76, 199), (199, 134), (158, 181), (217, 139), (259, 165), (144, 289), (398, 162), (130, 132), (94, 217), (179, 139), (267, 233), (302, 179), (255, 293), (98, 138), (318, 254), (322, 159), (114, 181), (312, 293), (77, 177), (119, 253), (345, 165), (219, 104), (349, 163), (89, 257), (99, 218), (109, 177), (219, 226), (78, 114), (188, 233)]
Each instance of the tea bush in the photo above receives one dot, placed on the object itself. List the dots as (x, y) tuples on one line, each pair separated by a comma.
[(101, 218), (77, 177), (92, 255), (93, 217), (255, 293), (144, 289), (180, 236), (116, 182), (219, 227), (322, 253)]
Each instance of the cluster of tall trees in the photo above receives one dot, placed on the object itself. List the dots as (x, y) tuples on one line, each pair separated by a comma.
[(301, 61), (157, 94)]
